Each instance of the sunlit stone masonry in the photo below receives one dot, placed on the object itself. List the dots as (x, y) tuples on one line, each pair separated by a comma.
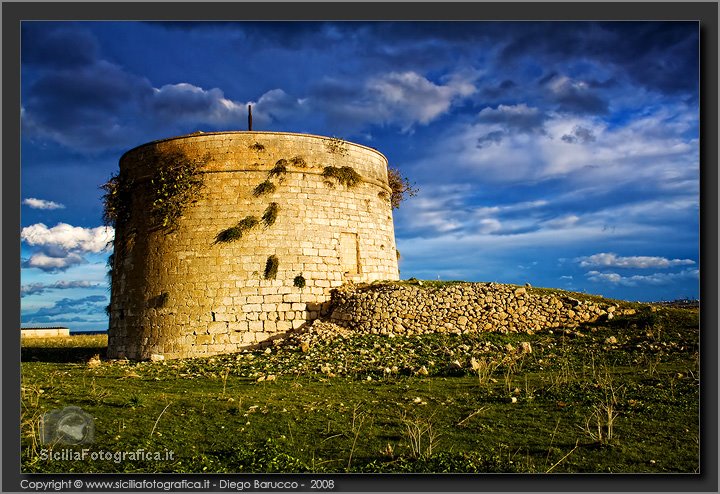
[(279, 221)]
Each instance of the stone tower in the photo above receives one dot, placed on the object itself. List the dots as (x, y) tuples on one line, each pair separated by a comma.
[(280, 220)]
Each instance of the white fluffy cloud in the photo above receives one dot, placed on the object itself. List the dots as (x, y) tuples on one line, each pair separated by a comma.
[(185, 101), (41, 203), (405, 99), (522, 144), (63, 245), (68, 237), (608, 259), (652, 279), (51, 264), (409, 98)]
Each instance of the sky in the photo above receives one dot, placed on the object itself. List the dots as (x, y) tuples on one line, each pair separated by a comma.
[(560, 154)]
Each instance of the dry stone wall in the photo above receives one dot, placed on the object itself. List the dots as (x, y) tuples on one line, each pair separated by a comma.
[(462, 307), (182, 293)]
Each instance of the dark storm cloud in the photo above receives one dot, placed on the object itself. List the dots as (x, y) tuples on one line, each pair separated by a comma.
[(661, 56), (187, 102), (61, 48), (88, 108), (494, 137), (503, 88), (266, 34), (517, 118), (102, 87), (579, 135), (573, 96)]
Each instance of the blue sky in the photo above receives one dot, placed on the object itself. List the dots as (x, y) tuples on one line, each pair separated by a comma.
[(563, 154)]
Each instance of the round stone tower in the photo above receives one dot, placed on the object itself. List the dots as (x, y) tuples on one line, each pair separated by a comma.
[(278, 221)]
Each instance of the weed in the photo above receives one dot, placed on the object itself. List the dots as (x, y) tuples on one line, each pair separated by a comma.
[(421, 436), (563, 373), (157, 420), (465, 420), (224, 380), (484, 369), (563, 458), (271, 267), (508, 375), (298, 161), (97, 393), (270, 214), (278, 170), (529, 390), (257, 147), (336, 145), (175, 183), (651, 364), (345, 175), (600, 424), (266, 187), (358, 419), (236, 232), (400, 187), (30, 423), (135, 401), (299, 281), (117, 199)]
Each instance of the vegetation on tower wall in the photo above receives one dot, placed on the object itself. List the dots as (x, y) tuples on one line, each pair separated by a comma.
[(174, 183), (401, 187)]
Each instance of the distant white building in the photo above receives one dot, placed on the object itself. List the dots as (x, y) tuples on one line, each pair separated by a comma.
[(45, 332)]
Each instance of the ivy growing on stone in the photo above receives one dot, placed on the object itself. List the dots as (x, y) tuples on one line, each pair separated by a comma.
[(278, 170), (270, 214), (117, 199), (346, 175), (175, 183), (236, 232), (298, 161), (271, 267), (266, 187), (299, 281), (337, 146)]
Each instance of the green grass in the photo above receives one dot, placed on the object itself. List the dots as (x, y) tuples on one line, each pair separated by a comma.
[(372, 403)]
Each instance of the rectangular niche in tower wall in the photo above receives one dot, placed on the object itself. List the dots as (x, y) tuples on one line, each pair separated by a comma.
[(349, 253)]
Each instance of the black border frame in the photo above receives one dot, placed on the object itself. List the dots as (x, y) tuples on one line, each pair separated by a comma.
[(706, 13)]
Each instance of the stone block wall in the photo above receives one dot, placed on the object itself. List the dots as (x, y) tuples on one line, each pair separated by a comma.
[(180, 293), (402, 309)]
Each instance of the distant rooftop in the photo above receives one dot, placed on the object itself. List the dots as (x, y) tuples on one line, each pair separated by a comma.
[(45, 327)]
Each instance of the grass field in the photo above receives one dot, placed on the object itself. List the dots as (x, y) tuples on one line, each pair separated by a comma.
[(618, 396)]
